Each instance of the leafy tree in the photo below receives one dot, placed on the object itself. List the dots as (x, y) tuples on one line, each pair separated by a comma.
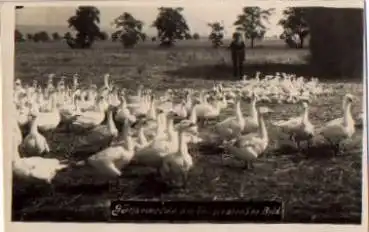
[(171, 25), (144, 37), (85, 22), (29, 37), (129, 30), (114, 36), (41, 36), (251, 22), (196, 36), (103, 36), (56, 36), (188, 37), (18, 36), (291, 40), (217, 34), (67, 35), (294, 21)]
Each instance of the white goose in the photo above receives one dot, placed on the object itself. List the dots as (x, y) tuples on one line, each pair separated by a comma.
[(123, 112), (23, 110), (34, 143), (89, 119), (35, 167), (160, 146), (299, 128), (206, 111), (181, 109), (156, 127), (177, 164), (136, 99), (250, 147), (252, 121), (97, 138), (49, 120), (190, 137), (110, 161), (339, 129), (141, 140), (232, 126)]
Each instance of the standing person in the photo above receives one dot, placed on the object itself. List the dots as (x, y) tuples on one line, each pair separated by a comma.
[(238, 48)]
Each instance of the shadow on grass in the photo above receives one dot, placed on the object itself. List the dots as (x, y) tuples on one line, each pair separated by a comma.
[(224, 71)]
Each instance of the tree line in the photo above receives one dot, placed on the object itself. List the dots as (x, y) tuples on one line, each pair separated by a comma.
[(172, 26)]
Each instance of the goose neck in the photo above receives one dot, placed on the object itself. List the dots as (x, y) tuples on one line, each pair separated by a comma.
[(305, 115), (238, 110), (193, 115), (110, 121), (76, 105), (152, 109), (262, 128), (159, 122), (100, 105), (182, 145), (127, 137), (254, 112), (170, 128), (347, 116), (139, 92), (53, 102), (217, 105), (141, 135), (34, 126), (123, 103), (188, 99)]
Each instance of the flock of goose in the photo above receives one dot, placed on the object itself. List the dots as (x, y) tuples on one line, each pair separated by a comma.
[(113, 127)]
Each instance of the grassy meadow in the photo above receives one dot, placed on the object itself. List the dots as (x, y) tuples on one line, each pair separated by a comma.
[(315, 186)]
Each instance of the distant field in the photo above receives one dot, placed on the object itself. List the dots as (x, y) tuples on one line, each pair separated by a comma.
[(315, 188), (188, 59)]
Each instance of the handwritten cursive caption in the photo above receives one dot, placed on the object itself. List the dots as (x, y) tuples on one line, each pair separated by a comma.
[(216, 211)]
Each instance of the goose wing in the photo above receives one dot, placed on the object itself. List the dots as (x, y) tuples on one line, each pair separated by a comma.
[(203, 109), (331, 131), (228, 127), (251, 125), (248, 140), (96, 140), (334, 122), (292, 123)]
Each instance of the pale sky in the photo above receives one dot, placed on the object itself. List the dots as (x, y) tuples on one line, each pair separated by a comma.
[(197, 17)]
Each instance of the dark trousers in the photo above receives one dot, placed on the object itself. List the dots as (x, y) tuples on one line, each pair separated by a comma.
[(237, 67)]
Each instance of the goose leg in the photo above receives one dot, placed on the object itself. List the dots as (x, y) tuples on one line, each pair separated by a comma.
[(185, 179), (337, 149), (112, 170), (308, 143), (298, 144), (334, 146), (291, 137), (248, 165), (205, 122), (47, 147), (251, 165)]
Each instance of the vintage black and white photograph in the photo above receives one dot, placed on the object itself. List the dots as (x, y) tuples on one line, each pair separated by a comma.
[(190, 103)]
